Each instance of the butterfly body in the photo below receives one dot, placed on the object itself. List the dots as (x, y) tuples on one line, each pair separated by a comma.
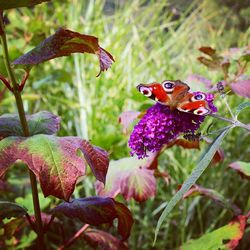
[(176, 95)]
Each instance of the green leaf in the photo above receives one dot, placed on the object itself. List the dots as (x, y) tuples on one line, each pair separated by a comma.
[(10, 209), (242, 167), (196, 173), (9, 4), (27, 202), (241, 107), (226, 237), (42, 122)]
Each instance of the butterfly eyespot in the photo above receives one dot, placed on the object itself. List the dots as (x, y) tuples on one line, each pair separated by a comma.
[(168, 86), (145, 91), (198, 97), (201, 111)]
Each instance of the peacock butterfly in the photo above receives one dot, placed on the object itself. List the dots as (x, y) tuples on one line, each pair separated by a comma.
[(176, 95)]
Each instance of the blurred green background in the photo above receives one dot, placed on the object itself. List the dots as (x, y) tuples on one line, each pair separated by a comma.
[(150, 41)]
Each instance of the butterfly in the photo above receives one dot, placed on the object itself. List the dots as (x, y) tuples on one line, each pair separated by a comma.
[(176, 95)]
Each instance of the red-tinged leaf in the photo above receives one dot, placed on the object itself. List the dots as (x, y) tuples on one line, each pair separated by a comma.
[(243, 168), (241, 88), (98, 238), (211, 64), (196, 190), (91, 210), (54, 160), (218, 157), (226, 237), (187, 144), (40, 123), (9, 4), (207, 50), (10, 209), (97, 159), (63, 43), (129, 177), (125, 220), (96, 211), (197, 82), (126, 118)]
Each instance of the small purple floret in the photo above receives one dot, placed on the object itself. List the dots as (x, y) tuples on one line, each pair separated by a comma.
[(160, 125)]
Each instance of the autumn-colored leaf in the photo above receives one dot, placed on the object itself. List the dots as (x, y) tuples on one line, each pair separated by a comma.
[(218, 157), (243, 168), (226, 237), (40, 123), (196, 190), (125, 220), (96, 211), (63, 43), (98, 238), (241, 88), (54, 160), (211, 64), (195, 144), (129, 177), (97, 159), (10, 209), (9, 4), (126, 118), (207, 50)]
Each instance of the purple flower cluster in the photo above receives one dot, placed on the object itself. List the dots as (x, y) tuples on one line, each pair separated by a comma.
[(160, 125)]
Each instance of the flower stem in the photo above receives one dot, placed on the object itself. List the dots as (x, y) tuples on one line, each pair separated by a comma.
[(20, 108), (234, 122), (74, 237)]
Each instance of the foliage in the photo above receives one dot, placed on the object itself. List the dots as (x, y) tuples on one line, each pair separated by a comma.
[(150, 40)]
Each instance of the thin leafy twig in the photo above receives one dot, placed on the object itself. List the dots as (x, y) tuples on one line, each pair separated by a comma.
[(74, 237)]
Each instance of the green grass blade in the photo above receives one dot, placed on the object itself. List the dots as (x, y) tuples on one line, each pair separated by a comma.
[(197, 172)]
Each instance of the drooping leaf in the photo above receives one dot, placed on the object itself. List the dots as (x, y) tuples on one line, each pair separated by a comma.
[(10, 209), (196, 173), (97, 159), (213, 195), (129, 177), (211, 64), (226, 237), (218, 157), (125, 220), (241, 167), (96, 211), (241, 88), (126, 118), (98, 238), (54, 160), (9, 4), (40, 123), (63, 43)]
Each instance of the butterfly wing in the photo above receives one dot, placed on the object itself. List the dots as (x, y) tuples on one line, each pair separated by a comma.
[(194, 103), (167, 93)]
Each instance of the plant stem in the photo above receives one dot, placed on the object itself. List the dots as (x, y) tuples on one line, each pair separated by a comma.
[(74, 237), (234, 122), (22, 117)]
